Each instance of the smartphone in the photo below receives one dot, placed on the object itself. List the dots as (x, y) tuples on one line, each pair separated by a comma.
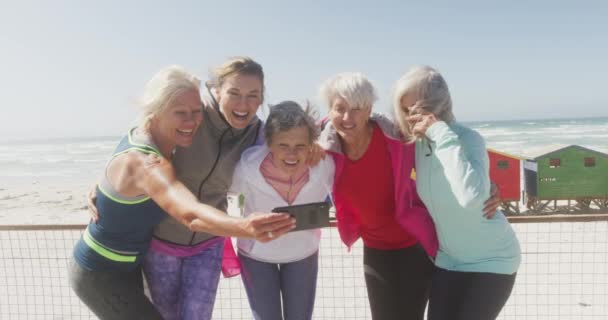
[(308, 216)]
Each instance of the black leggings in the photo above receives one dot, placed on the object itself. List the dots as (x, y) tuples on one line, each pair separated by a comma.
[(398, 282), (468, 295), (112, 295)]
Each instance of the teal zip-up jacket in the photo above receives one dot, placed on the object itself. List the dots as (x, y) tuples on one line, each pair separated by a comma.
[(453, 181)]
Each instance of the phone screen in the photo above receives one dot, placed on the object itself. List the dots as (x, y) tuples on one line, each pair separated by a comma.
[(308, 216)]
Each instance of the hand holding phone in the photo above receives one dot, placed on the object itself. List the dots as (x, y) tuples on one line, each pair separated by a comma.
[(308, 216)]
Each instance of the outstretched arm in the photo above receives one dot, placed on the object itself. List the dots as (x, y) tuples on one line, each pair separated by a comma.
[(161, 184)]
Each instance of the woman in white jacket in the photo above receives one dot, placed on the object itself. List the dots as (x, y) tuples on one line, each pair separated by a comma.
[(276, 175)]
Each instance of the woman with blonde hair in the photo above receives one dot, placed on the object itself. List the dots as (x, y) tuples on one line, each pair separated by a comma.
[(137, 188), (477, 258), (183, 266)]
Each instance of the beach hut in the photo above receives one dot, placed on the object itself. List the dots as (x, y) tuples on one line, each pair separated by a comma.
[(569, 173), (505, 172)]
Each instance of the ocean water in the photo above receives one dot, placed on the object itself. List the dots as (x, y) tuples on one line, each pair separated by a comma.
[(530, 138), (57, 159), (83, 159), (46, 181)]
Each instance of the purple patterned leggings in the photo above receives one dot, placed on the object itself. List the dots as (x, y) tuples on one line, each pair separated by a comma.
[(184, 288)]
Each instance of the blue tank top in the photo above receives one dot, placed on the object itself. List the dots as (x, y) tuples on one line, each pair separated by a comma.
[(120, 238)]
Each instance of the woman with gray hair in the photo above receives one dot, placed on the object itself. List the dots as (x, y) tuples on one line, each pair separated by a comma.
[(375, 198), (280, 277), (477, 258), (137, 188)]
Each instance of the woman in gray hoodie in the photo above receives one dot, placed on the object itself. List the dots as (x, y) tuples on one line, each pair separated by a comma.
[(183, 267)]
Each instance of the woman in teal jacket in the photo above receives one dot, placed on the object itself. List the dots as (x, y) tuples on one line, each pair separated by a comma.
[(477, 258)]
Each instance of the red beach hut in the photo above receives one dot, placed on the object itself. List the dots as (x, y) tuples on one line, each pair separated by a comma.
[(505, 172)]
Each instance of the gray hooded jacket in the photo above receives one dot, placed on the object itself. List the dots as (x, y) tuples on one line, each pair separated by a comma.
[(206, 168)]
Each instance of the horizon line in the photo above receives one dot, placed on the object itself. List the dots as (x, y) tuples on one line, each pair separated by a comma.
[(114, 136)]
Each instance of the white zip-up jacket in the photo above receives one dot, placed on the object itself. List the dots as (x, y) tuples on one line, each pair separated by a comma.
[(260, 196)]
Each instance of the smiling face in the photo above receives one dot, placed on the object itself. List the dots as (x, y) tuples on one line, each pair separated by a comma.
[(290, 148), (239, 97), (350, 121), (178, 122)]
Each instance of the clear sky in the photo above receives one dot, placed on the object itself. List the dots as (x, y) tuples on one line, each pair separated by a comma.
[(74, 68)]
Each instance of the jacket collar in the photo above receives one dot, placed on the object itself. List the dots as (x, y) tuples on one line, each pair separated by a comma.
[(330, 140), (252, 158), (216, 120)]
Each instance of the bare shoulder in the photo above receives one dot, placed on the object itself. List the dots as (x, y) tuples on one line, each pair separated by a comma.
[(124, 171), (130, 162)]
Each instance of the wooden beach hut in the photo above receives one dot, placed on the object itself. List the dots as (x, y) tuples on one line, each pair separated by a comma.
[(505, 172), (569, 173)]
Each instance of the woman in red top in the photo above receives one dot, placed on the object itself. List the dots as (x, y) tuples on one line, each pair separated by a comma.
[(375, 198)]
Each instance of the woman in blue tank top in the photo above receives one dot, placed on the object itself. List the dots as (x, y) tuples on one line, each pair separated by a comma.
[(137, 188)]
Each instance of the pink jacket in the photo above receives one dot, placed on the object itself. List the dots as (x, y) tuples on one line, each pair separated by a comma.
[(410, 213)]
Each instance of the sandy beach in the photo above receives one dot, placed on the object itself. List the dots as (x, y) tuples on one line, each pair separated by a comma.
[(43, 202)]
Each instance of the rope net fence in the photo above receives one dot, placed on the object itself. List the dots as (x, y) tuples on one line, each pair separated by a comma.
[(564, 274)]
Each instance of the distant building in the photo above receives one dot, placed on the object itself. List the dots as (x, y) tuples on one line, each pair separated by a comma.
[(505, 173), (568, 173)]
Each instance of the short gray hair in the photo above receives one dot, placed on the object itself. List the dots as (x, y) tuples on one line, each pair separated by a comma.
[(163, 88), (432, 91), (353, 87), (288, 115)]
